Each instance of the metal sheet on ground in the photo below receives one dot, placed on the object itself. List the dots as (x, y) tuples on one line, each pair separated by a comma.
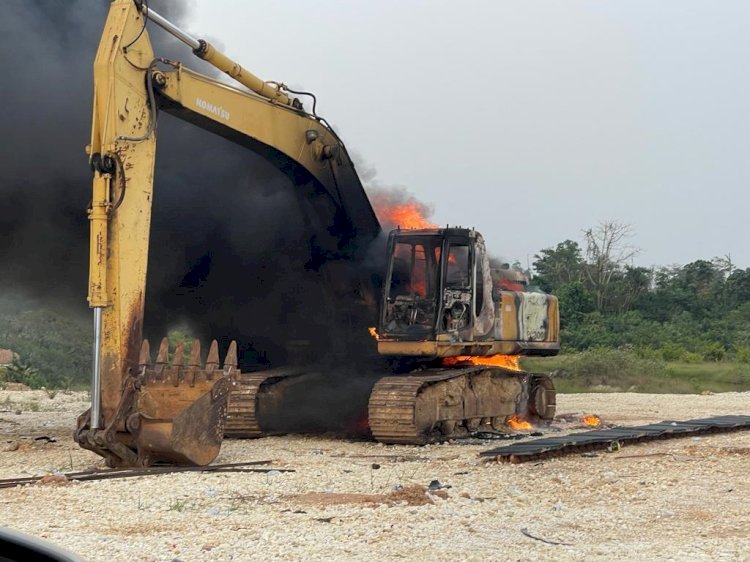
[(605, 438)]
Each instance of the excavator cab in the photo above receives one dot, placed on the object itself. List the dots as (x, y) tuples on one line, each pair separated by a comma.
[(442, 299), (434, 286)]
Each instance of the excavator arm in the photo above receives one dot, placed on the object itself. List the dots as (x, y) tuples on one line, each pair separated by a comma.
[(143, 411)]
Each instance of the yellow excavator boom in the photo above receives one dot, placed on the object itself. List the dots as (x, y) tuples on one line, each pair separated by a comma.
[(174, 409)]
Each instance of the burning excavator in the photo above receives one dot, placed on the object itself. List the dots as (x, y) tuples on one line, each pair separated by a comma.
[(448, 325)]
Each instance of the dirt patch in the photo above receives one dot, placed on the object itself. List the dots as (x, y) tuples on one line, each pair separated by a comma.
[(409, 495), (699, 515), (743, 451)]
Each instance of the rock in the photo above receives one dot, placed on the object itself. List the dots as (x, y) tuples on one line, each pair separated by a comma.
[(609, 477), (11, 446), (53, 479)]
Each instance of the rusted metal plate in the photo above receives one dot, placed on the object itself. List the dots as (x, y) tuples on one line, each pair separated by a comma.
[(605, 438)]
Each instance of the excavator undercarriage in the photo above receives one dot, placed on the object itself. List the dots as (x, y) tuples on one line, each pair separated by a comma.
[(448, 403), (429, 406)]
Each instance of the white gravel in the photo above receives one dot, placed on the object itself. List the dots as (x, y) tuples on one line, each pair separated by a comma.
[(682, 499)]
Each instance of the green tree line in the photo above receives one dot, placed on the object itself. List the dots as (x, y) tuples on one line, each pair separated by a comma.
[(695, 312)]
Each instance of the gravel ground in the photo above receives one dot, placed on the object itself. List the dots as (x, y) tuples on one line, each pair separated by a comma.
[(682, 499)]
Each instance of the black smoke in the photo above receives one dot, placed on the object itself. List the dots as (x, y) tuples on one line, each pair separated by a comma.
[(229, 243)]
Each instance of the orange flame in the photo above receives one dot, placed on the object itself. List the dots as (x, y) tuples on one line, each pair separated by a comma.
[(507, 361), (516, 423), (407, 215), (591, 420), (404, 214), (373, 332)]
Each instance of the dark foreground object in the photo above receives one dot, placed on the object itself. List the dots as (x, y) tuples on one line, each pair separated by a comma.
[(612, 438), (20, 547)]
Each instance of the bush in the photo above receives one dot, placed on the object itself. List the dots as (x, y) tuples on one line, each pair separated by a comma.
[(671, 351), (649, 353), (713, 351), (23, 373), (617, 368), (693, 357), (742, 353)]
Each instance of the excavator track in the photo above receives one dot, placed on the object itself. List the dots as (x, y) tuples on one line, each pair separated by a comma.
[(436, 405), (253, 394)]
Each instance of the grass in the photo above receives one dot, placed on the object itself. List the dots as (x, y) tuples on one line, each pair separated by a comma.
[(178, 505), (574, 373), (712, 376)]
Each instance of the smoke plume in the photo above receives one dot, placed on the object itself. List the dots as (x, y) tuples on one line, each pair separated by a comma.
[(228, 245)]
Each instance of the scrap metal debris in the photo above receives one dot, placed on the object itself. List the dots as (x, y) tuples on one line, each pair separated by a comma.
[(612, 439), (250, 466), (526, 532)]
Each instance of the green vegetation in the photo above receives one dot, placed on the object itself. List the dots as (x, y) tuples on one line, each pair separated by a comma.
[(53, 347), (178, 505), (662, 329), (606, 370)]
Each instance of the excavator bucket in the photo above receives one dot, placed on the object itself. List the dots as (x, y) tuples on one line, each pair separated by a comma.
[(174, 411)]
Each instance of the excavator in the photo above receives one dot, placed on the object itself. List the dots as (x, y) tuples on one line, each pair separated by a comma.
[(448, 328)]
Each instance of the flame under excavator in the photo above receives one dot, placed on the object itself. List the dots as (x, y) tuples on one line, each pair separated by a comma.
[(450, 327)]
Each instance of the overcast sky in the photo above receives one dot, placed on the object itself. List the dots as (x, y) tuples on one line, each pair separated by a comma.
[(529, 120)]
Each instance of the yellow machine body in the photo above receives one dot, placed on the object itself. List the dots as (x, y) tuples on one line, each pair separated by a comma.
[(174, 408)]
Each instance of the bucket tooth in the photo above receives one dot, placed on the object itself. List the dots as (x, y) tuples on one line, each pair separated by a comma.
[(156, 373), (162, 358), (230, 361), (144, 359), (178, 359), (212, 362), (195, 355)]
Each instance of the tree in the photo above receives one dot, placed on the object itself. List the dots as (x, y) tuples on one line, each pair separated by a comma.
[(629, 287), (558, 266), (575, 302), (607, 251), (738, 287)]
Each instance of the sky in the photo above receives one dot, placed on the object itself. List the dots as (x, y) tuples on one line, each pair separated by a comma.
[(528, 120)]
